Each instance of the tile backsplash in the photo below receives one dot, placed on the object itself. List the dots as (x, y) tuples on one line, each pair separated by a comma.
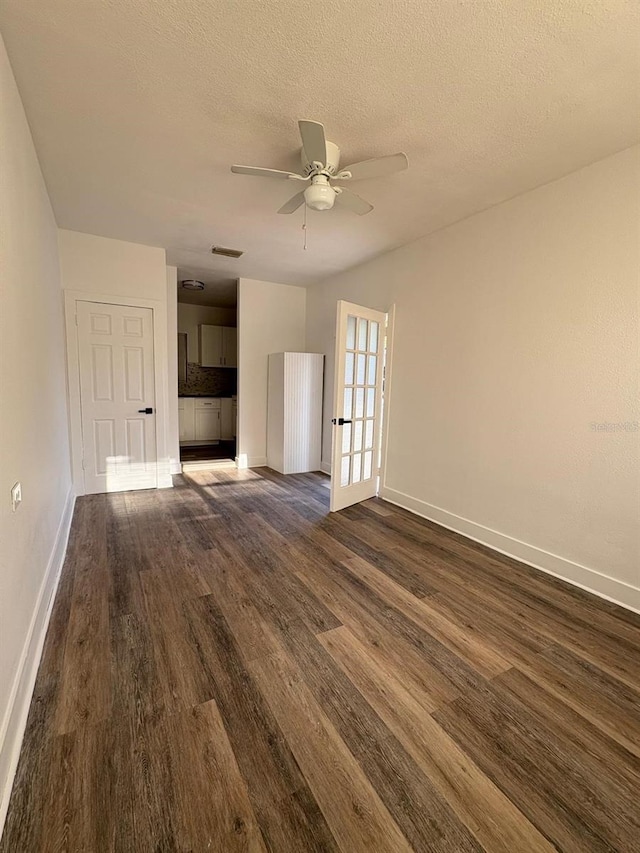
[(212, 381)]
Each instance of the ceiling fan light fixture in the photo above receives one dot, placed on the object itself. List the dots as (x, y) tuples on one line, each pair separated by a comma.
[(192, 284), (320, 196)]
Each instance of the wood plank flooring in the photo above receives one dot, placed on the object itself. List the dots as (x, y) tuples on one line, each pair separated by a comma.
[(229, 667)]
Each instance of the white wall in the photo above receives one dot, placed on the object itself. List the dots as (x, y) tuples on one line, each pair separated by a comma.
[(516, 331), (129, 273), (173, 428), (34, 443), (271, 318), (191, 316), (111, 267)]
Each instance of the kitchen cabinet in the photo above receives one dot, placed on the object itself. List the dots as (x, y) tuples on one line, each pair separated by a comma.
[(207, 424), (218, 346), (210, 346), (230, 346), (200, 420)]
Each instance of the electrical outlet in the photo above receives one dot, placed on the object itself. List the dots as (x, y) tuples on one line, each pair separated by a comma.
[(16, 496)]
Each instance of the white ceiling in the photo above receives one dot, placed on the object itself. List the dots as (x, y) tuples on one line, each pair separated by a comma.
[(138, 109), (218, 292)]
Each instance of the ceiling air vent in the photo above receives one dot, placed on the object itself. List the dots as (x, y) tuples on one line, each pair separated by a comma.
[(192, 284), (228, 253)]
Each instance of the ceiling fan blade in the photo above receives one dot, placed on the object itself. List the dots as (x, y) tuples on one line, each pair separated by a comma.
[(313, 141), (261, 173), (377, 167), (293, 203), (353, 202)]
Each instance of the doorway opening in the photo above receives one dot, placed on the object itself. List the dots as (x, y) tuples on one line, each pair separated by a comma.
[(207, 370)]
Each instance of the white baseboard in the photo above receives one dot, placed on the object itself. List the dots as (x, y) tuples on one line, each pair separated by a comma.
[(588, 579), (244, 461), (325, 467), (175, 467), (15, 720)]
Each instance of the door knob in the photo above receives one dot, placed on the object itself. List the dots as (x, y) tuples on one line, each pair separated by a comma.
[(147, 411), (340, 421)]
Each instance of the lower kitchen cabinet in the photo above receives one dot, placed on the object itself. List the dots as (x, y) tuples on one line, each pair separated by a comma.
[(204, 419), (207, 423)]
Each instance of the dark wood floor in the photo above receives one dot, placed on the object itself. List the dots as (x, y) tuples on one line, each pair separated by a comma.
[(228, 667), (204, 452)]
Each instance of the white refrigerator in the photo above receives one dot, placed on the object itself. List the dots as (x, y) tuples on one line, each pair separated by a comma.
[(294, 412)]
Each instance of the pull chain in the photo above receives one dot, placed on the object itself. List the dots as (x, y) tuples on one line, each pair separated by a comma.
[(304, 229)]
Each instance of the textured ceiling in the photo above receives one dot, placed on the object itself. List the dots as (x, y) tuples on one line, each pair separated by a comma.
[(138, 109)]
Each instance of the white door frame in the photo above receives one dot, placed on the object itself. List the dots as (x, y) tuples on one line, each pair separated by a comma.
[(160, 363)]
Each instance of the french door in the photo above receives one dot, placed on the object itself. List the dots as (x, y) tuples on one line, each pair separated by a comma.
[(117, 397), (357, 407)]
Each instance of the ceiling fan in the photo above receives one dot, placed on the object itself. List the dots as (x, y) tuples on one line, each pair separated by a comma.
[(320, 166)]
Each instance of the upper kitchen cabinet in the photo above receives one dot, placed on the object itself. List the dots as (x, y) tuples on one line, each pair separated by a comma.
[(230, 346), (210, 346), (218, 346)]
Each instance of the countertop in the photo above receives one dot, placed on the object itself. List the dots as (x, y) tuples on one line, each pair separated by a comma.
[(210, 396)]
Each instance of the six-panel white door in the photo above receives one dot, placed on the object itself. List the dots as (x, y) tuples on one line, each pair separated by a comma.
[(115, 349), (360, 340)]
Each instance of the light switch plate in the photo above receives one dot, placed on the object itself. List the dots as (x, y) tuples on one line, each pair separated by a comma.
[(16, 496)]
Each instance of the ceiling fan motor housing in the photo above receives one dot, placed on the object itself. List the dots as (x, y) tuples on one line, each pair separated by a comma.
[(331, 166)]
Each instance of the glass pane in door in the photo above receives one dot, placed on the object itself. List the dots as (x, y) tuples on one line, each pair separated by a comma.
[(371, 370), (368, 434), (357, 435), (348, 368), (371, 402), (368, 461), (344, 473), (351, 332), (362, 334), (373, 336), (348, 403), (346, 438)]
